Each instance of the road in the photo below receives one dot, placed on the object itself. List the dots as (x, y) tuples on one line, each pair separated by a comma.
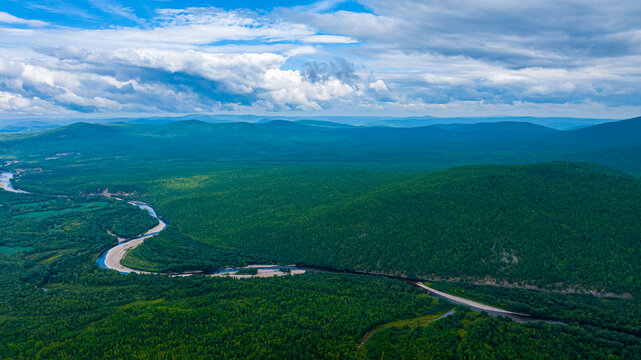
[(472, 304)]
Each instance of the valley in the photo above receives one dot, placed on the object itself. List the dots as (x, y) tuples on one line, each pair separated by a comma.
[(566, 230), (320, 179)]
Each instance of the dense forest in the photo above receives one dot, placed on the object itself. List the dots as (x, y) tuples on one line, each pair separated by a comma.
[(355, 199), (473, 336), (580, 227), (615, 313)]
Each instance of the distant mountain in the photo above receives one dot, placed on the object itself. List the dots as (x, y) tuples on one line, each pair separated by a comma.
[(330, 121), (505, 127), (27, 126), (629, 129), (616, 145), (553, 122), (321, 123)]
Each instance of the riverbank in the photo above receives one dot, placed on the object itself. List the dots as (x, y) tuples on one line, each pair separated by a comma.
[(5, 183)]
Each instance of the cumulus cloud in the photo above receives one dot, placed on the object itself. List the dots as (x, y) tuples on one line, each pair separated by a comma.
[(402, 57), (378, 85), (545, 51), (172, 66)]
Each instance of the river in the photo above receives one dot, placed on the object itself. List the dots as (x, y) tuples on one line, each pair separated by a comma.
[(5, 183)]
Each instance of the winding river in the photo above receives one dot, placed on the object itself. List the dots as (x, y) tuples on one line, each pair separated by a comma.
[(111, 259)]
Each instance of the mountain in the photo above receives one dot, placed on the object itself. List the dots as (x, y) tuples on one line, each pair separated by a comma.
[(616, 133), (616, 145), (31, 125), (27, 126), (321, 123), (505, 127)]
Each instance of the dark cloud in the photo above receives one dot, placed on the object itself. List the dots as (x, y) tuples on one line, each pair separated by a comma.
[(338, 68)]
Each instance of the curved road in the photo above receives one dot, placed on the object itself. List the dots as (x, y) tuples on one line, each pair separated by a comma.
[(472, 304)]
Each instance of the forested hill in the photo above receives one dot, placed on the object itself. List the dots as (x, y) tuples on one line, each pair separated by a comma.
[(314, 194), (616, 145), (237, 187), (555, 225)]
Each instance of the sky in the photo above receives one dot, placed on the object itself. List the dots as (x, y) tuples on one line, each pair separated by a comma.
[(371, 57)]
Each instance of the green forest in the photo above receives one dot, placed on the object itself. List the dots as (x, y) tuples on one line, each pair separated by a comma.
[(545, 223), (580, 228)]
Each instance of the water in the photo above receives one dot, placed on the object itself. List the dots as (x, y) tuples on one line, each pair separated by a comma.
[(102, 258), (451, 312), (144, 206)]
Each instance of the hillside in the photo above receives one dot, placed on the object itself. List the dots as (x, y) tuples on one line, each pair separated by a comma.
[(344, 198), (554, 225)]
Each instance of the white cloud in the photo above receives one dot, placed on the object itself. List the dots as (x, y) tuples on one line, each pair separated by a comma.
[(17, 104), (290, 88), (328, 39), (166, 67), (301, 50), (113, 8), (423, 55), (378, 85), (175, 29), (10, 19)]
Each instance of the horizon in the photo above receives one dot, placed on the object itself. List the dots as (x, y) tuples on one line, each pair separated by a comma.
[(556, 123), (101, 59)]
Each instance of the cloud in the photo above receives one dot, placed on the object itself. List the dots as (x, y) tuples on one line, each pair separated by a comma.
[(495, 51), (10, 19), (175, 81), (20, 105), (378, 85), (175, 65), (422, 56), (338, 68), (114, 8), (536, 33), (184, 29), (328, 39)]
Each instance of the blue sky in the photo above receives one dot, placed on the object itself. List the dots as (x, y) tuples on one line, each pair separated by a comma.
[(370, 57)]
